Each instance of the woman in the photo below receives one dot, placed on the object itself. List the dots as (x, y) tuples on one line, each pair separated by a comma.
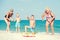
[(49, 19), (7, 18)]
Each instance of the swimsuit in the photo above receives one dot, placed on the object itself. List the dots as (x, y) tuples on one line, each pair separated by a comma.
[(17, 24), (6, 18), (48, 17), (9, 15), (32, 29)]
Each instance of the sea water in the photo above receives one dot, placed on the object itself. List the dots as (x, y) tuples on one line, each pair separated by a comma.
[(39, 26)]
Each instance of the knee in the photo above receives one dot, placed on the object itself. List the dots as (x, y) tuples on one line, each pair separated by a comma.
[(26, 27)]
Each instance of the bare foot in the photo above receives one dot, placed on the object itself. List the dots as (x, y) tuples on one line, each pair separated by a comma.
[(47, 33), (52, 34), (33, 33), (6, 30)]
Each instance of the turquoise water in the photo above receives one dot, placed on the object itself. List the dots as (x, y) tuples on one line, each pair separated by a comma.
[(40, 26)]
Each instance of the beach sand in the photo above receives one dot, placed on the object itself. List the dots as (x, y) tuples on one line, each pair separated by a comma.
[(19, 36)]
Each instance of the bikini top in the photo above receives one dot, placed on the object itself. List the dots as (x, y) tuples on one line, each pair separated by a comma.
[(9, 15), (48, 16)]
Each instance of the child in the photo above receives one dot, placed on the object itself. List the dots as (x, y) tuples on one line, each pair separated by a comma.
[(17, 23), (32, 24)]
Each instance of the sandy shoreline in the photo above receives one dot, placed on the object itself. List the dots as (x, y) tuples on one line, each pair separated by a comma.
[(19, 36)]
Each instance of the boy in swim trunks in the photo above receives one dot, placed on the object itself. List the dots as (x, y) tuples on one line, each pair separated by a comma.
[(17, 23), (32, 24)]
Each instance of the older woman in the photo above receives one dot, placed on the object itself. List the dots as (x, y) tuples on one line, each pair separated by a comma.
[(7, 18), (49, 19)]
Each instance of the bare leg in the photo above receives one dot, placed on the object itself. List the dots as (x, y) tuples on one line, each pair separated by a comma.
[(25, 29), (18, 29), (33, 33), (8, 27), (52, 28), (47, 27)]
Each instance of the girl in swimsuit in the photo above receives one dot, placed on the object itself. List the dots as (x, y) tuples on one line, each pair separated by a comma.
[(49, 19), (7, 19)]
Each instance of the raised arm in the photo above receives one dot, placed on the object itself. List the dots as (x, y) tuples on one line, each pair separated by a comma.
[(28, 18), (43, 15)]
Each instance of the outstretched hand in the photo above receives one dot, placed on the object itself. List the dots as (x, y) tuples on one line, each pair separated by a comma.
[(27, 17), (11, 19)]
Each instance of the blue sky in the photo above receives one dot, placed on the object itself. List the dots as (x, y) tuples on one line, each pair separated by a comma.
[(28, 7)]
